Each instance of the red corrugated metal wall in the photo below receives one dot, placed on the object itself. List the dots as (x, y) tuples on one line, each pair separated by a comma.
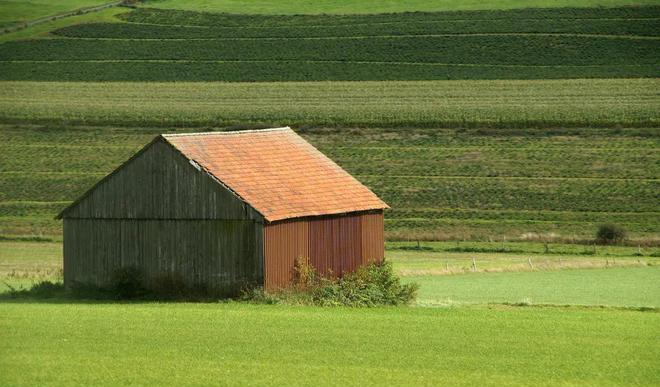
[(333, 245)]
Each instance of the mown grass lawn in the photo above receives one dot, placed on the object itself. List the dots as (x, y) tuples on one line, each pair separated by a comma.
[(631, 286), (233, 344)]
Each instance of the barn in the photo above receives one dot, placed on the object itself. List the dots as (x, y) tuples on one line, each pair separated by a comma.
[(223, 210)]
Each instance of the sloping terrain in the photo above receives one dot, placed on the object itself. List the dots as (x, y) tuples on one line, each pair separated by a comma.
[(441, 184), (168, 45), (467, 159)]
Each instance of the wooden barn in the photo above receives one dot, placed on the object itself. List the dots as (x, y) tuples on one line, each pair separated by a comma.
[(223, 209)]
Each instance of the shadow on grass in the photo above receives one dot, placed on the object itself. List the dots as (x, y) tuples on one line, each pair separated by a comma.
[(55, 292)]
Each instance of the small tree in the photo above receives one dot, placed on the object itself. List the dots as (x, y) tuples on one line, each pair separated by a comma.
[(610, 234)]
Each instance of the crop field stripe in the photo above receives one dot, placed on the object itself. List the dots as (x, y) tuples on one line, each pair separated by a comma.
[(371, 37), (593, 13), (299, 61), (480, 190), (311, 26), (541, 43), (569, 8), (588, 103)]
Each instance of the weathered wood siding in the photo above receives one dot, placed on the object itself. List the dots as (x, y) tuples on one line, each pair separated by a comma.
[(160, 183), (334, 245), (162, 214), (222, 254)]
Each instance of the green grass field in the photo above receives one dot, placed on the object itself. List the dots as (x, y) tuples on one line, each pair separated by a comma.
[(501, 133), (442, 184), (459, 257), (610, 287), (43, 30), (201, 344), (18, 11), (162, 45), (374, 6), (235, 344), (433, 104), (565, 275)]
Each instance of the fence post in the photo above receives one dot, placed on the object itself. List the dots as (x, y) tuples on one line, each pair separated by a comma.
[(474, 264), (529, 260)]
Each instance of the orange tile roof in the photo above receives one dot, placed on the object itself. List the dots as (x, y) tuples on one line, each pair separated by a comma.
[(277, 172)]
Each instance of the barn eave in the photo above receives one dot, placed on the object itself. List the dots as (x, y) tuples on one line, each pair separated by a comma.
[(193, 164)]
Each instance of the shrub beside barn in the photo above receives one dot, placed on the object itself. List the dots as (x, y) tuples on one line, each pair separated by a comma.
[(223, 210)]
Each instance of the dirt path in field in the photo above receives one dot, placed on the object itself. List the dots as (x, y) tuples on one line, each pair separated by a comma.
[(45, 19)]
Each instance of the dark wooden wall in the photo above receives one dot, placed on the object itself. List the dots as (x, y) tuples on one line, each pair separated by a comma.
[(333, 245), (160, 183), (222, 254), (162, 214)]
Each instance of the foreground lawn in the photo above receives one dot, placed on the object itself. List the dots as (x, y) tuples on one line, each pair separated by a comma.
[(230, 344), (634, 286)]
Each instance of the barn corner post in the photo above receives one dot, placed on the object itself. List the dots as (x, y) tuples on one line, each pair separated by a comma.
[(223, 209)]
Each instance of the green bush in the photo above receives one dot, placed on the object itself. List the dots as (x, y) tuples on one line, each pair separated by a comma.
[(372, 285), (610, 234)]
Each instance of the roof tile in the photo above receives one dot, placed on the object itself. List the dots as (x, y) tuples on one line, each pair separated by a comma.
[(277, 172)]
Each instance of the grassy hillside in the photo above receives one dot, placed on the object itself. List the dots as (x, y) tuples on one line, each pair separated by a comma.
[(520, 159), (19, 11), (373, 6), (44, 29), (499, 104), (177, 45), (442, 184)]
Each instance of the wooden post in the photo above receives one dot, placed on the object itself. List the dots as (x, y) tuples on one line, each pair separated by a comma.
[(529, 260), (447, 266), (474, 264)]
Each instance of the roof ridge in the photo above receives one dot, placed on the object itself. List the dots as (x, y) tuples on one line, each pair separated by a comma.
[(227, 132)]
